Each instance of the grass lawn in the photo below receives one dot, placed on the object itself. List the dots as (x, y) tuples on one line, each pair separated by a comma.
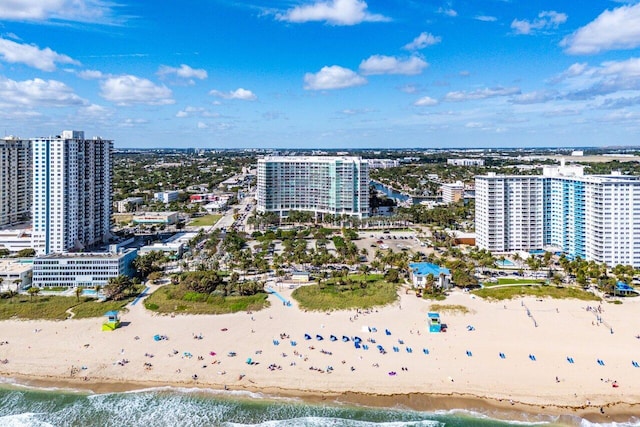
[(205, 221), (331, 296), (449, 308), (55, 307), (537, 291), (508, 281), (167, 300)]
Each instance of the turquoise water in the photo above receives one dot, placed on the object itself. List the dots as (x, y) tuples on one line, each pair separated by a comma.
[(20, 406), (505, 263)]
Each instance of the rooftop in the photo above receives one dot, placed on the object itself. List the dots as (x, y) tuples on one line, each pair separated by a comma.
[(425, 268)]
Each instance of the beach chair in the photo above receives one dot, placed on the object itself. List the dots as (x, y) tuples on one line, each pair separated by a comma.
[(469, 353), (307, 336), (388, 332), (502, 356), (319, 337), (532, 357), (425, 350), (635, 364), (333, 338), (293, 343), (365, 347), (395, 349), (409, 350), (345, 338)]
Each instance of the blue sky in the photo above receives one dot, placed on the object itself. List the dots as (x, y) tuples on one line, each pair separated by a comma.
[(323, 73)]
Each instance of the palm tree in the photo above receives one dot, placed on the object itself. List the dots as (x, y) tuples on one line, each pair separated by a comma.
[(78, 293), (33, 291)]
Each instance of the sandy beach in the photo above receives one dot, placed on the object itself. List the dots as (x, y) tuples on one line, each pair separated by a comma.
[(538, 340)]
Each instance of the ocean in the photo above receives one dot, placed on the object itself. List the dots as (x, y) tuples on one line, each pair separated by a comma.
[(27, 406)]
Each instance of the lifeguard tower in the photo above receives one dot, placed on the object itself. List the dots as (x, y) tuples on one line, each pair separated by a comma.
[(113, 321), (434, 322)]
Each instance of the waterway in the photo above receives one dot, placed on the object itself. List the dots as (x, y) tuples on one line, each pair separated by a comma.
[(393, 194)]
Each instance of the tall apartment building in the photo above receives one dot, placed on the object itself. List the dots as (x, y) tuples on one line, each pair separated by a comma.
[(71, 192), (595, 217), (323, 185), (15, 180)]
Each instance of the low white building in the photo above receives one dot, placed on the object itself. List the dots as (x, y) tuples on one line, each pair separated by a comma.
[(166, 196), (16, 239), (177, 244), (166, 218), (465, 162), (81, 269), (15, 274), (420, 272), (129, 204)]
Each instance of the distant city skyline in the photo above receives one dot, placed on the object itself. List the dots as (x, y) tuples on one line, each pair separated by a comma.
[(323, 74)]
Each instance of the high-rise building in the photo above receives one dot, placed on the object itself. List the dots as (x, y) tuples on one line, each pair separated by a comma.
[(15, 180), (318, 184), (594, 217), (71, 192)]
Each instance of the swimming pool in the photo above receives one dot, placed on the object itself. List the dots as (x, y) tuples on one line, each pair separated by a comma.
[(89, 293), (505, 263)]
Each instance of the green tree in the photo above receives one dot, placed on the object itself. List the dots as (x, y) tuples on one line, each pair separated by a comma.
[(118, 287), (33, 292)]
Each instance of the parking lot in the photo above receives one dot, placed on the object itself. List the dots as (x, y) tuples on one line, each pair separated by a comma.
[(396, 241)]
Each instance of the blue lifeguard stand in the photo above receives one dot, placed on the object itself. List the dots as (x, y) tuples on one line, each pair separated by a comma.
[(113, 321), (434, 322)]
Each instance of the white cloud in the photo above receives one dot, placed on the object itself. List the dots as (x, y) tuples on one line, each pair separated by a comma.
[(202, 125), (481, 94), (129, 123), (196, 111), (423, 40), (336, 12), (37, 92), (333, 77), (94, 111), (474, 125), (91, 74), (629, 68), (547, 20), (128, 90), (410, 88), (536, 97), (613, 29), (425, 101), (96, 11), (584, 82), (448, 11), (31, 55), (184, 72), (486, 18), (381, 64), (240, 93)]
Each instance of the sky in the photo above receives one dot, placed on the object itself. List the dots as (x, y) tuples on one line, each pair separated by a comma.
[(323, 73)]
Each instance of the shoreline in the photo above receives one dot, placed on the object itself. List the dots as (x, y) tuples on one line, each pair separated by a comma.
[(495, 408), (273, 357)]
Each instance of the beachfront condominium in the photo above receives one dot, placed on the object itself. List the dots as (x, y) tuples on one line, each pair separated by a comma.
[(318, 184), (594, 217), (71, 192), (15, 180)]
